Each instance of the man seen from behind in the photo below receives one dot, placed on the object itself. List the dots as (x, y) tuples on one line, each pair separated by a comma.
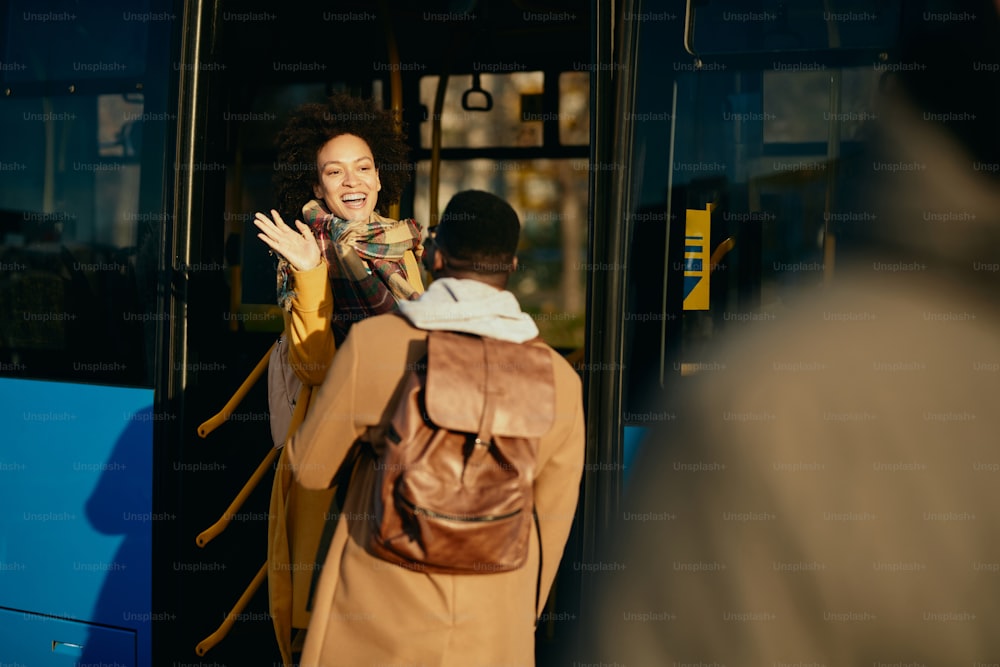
[(369, 611)]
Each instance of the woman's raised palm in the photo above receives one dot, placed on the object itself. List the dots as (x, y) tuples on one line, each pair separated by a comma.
[(298, 247)]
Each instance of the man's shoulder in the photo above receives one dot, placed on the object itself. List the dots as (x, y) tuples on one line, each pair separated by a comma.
[(377, 330), (384, 330), (385, 322)]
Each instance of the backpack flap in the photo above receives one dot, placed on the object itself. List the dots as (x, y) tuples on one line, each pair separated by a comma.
[(520, 376)]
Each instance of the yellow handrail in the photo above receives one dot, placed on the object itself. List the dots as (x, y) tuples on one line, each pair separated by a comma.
[(720, 252), (213, 531), (206, 644), (435, 177), (214, 422)]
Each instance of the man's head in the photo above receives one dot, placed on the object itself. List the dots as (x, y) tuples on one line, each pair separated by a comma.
[(476, 238)]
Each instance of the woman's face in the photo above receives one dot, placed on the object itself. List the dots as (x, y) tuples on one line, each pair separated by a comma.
[(348, 180)]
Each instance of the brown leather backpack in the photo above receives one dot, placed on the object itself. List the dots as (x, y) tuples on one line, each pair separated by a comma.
[(455, 474)]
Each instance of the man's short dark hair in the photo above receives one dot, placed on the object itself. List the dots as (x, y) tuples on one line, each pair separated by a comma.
[(479, 231)]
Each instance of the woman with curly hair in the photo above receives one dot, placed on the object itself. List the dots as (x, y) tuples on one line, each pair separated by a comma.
[(339, 163)]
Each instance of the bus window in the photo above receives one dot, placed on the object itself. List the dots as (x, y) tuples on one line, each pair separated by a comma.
[(797, 106), (734, 26), (77, 297), (549, 194), (574, 108), (510, 121), (550, 197)]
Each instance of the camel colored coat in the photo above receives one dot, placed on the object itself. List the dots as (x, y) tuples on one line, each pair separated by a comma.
[(368, 612)]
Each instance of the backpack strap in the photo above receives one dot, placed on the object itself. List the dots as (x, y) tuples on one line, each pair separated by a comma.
[(490, 396), (538, 577)]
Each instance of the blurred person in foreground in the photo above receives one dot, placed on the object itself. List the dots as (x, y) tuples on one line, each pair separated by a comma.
[(832, 496)]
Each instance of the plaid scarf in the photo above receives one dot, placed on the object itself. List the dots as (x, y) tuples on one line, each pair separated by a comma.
[(365, 265)]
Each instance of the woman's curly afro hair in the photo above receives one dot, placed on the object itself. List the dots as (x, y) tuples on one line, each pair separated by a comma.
[(312, 125)]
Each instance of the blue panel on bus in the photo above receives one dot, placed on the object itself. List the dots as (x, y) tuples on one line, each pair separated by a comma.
[(76, 504), (631, 440), (42, 641)]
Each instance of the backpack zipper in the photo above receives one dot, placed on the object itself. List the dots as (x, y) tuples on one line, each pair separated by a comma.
[(437, 515)]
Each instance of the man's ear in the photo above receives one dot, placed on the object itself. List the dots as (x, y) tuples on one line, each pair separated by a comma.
[(513, 265), (438, 262)]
